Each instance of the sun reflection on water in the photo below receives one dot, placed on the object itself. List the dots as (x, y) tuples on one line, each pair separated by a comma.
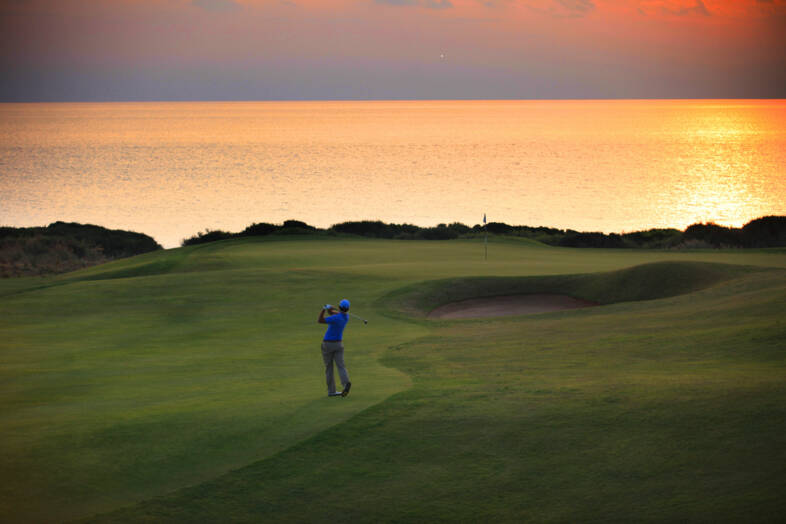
[(724, 181), (173, 169)]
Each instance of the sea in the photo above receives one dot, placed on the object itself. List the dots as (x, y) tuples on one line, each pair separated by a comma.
[(173, 169)]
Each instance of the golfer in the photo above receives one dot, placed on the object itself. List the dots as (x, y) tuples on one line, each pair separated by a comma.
[(333, 346)]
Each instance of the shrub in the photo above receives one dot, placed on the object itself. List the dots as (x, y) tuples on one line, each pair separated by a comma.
[(114, 243), (62, 247), (377, 229), (207, 236), (260, 229), (769, 231), (654, 238), (366, 228), (499, 228), (459, 228), (441, 232), (574, 239), (715, 235), (297, 224)]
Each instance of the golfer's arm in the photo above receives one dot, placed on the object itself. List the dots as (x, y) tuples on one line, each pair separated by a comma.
[(321, 318)]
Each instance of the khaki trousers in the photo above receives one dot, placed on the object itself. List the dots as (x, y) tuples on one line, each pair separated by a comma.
[(334, 352)]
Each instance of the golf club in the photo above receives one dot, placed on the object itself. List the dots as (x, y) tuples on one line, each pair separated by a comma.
[(328, 306)]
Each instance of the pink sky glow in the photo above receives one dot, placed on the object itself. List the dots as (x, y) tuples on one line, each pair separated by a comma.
[(282, 49)]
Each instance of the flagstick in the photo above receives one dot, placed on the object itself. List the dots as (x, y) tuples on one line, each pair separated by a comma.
[(485, 239)]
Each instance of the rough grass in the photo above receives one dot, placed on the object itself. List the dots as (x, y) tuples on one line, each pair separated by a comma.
[(194, 392)]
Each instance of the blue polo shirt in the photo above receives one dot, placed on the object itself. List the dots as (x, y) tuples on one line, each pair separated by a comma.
[(336, 325)]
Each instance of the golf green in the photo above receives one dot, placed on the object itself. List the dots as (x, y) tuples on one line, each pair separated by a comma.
[(187, 385)]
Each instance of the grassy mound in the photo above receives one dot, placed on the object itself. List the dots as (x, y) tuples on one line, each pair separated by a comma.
[(643, 282)]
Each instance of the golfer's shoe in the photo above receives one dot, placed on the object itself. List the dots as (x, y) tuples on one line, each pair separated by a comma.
[(336, 394), (346, 389)]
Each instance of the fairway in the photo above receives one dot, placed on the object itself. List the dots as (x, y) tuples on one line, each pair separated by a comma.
[(187, 385)]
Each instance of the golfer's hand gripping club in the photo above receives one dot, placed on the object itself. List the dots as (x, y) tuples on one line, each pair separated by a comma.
[(328, 307)]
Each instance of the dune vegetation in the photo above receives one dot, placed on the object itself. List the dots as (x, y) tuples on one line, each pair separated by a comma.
[(186, 385), (61, 247), (763, 232)]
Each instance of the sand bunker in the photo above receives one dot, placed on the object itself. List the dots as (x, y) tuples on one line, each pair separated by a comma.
[(508, 306)]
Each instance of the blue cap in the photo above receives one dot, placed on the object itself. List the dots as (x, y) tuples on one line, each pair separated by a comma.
[(344, 305)]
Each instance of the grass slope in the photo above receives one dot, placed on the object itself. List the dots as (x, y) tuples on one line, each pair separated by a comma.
[(644, 282), (200, 367)]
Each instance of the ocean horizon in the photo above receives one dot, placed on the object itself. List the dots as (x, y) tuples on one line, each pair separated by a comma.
[(173, 169)]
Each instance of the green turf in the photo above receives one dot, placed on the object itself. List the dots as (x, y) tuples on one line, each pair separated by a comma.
[(186, 385)]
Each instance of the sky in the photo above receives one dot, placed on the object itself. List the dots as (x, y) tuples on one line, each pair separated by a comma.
[(118, 50)]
